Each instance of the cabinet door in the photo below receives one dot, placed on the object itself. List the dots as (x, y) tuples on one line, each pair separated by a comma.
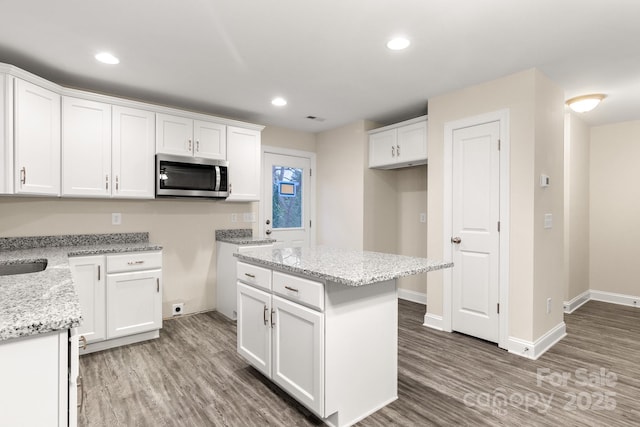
[(298, 353), (89, 281), (254, 327), (37, 140), (243, 154), (210, 140), (134, 303), (174, 135), (382, 148), (133, 158), (6, 134), (86, 148), (412, 143)]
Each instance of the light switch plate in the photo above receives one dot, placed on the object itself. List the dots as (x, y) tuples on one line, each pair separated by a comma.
[(116, 218), (548, 220), (423, 217)]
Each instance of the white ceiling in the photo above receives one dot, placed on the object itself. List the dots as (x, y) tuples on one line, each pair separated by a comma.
[(327, 58)]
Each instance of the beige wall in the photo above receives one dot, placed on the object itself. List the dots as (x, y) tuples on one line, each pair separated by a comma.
[(340, 189), (185, 228), (411, 234), (528, 114), (615, 208), (576, 229)]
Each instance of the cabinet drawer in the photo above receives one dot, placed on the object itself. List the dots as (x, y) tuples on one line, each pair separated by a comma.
[(254, 275), (299, 290), (134, 261)]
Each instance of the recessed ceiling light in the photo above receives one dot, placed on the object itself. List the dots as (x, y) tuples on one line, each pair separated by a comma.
[(584, 103), (107, 58), (279, 102), (398, 43)]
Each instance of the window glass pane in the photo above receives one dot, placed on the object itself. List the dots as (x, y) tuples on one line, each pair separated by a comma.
[(287, 197)]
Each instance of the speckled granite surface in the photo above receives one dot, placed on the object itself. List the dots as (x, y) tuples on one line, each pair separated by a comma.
[(348, 267), (12, 243), (240, 236), (36, 303)]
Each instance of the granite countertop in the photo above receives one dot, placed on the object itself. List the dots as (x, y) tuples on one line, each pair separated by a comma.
[(242, 237), (46, 301), (348, 267)]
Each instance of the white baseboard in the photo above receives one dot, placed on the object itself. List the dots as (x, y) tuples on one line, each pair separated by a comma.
[(412, 296), (577, 302), (533, 350), (614, 298), (433, 321)]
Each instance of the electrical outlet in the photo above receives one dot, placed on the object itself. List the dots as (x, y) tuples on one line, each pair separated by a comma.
[(116, 218), (548, 305), (177, 309), (234, 217), (249, 217)]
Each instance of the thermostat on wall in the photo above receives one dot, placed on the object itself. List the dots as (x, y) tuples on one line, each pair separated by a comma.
[(544, 181)]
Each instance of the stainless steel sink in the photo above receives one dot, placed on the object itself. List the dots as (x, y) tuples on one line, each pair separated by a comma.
[(30, 266)]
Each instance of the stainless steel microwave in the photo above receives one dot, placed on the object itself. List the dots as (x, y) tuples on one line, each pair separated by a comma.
[(182, 176)]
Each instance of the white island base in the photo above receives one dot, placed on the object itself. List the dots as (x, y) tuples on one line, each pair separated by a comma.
[(333, 347)]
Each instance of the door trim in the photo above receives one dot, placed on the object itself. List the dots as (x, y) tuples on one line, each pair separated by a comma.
[(312, 197), (501, 116)]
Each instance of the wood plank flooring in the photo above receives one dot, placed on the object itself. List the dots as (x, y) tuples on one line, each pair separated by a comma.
[(192, 376)]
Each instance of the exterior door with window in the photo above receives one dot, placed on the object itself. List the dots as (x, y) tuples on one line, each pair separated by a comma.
[(286, 200)]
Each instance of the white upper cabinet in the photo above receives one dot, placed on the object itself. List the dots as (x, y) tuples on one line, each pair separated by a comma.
[(37, 140), (399, 145), (6, 134), (86, 148), (243, 154), (133, 153), (187, 137)]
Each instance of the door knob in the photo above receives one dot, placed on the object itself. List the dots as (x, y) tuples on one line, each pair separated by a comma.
[(268, 232), (456, 240)]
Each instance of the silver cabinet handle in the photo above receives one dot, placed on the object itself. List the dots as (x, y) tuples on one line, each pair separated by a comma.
[(82, 342), (135, 262), (158, 284), (230, 189), (98, 273), (80, 386), (189, 145), (23, 175), (197, 145), (106, 182), (264, 314), (398, 149), (393, 151), (289, 288), (253, 276), (117, 186), (456, 240), (273, 323)]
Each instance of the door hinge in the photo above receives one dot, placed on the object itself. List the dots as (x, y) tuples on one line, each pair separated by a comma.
[(498, 226), (310, 172), (498, 145), (498, 308)]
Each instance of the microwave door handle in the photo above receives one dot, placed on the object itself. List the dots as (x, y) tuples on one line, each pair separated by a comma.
[(217, 187)]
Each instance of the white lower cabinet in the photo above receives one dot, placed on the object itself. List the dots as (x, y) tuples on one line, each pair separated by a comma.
[(120, 297), (285, 341), (38, 380)]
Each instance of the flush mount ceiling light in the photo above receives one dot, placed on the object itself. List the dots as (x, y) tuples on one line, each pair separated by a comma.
[(279, 102), (398, 43), (584, 103), (107, 58)]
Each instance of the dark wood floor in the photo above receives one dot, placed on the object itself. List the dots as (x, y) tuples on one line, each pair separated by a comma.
[(192, 376)]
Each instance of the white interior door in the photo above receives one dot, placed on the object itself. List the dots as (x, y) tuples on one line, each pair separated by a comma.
[(286, 199), (475, 240)]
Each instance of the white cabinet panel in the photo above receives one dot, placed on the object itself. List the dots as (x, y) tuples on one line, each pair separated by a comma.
[(174, 135), (382, 148), (134, 303), (243, 154), (86, 148), (6, 134), (412, 143), (37, 140), (133, 151), (298, 352), (254, 327), (210, 140), (89, 281)]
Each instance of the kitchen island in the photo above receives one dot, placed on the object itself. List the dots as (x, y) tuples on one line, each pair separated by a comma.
[(322, 323)]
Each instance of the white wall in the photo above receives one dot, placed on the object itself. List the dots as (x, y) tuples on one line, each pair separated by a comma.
[(576, 164), (615, 208)]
